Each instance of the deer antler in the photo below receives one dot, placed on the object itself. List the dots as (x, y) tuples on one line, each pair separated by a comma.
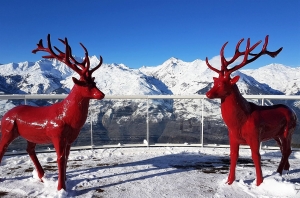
[(82, 68), (224, 63)]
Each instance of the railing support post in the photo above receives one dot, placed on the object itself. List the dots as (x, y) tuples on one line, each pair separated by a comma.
[(262, 104), (91, 120), (202, 119), (147, 123)]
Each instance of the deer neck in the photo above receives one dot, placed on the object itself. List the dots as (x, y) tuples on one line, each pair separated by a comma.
[(235, 108), (75, 106)]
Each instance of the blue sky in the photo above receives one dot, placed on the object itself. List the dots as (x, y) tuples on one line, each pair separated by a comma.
[(148, 32)]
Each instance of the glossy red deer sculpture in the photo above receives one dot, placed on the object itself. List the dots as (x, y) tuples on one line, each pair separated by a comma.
[(248, 123), (59, 123)]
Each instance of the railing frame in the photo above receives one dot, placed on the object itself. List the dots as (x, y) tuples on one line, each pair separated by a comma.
[(148, 97)]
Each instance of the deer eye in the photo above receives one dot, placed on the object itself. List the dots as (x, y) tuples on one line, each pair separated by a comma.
[(91, 84)]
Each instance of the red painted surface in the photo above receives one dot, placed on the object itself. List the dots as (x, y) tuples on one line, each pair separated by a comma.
[(59, 123), (248, 123)]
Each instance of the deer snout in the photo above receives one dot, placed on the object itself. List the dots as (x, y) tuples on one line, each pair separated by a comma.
[(210, 95), (98, 95)]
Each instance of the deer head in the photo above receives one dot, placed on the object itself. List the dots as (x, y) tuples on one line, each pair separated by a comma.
[(86, 83), (224, 84)]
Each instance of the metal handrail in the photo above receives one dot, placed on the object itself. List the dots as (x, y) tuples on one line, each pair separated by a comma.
[(62, 96)]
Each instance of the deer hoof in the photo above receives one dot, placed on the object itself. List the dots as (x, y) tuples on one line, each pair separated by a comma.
[(229, 181), (259, 181)]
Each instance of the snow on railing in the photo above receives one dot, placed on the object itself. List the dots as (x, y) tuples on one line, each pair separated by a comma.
[(146, 142)]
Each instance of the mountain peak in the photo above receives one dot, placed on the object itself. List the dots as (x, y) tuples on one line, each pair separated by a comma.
[(275, 66), (172, 61)]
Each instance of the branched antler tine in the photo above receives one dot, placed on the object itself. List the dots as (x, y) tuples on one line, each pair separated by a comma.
[(237, 52), (71, 56), (40, 47), (64, 42), (224, 62), (40, 44), (254, 46), (82, 64), (50, 50), (67, 50), (85, 53), (84, 48), (274, 54), (211, 67), (76, 64), (245, 61), (266, 43), (264, 51), (82, 68), (95, 68), (65, 57), (86, 69), (61, 54), (86, 60)]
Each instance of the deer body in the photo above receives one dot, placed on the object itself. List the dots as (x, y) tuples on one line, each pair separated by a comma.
[(248, 123), (59, 123), (244, 115), (38, 124)]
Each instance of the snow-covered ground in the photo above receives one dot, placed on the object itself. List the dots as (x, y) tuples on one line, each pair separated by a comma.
[(150, 172)]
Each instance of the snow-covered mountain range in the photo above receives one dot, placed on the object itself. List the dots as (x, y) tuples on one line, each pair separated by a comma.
[(173, 77)]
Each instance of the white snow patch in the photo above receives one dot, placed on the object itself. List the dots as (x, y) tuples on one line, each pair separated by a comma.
[(150, 172)]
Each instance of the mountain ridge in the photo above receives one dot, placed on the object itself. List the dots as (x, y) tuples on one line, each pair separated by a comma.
[(172, 77)]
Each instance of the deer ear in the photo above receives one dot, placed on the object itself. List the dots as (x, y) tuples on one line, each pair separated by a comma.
[(234, 80), (78, 82)]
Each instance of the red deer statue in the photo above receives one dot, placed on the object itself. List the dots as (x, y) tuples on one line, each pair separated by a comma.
[(59, 123), (248, 123)]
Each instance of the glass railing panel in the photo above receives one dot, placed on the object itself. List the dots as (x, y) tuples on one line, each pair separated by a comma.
[(175, 121), (42, 102), (84, 137), (119, 121), (171, 121), (215, 130)]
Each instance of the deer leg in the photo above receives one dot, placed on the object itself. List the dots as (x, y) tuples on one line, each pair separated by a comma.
[(287, 165), (6, 139), (279, 143), (254, 146), (67, 156), (234, 154), (286, 151), (31, 151), (60, 147)]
